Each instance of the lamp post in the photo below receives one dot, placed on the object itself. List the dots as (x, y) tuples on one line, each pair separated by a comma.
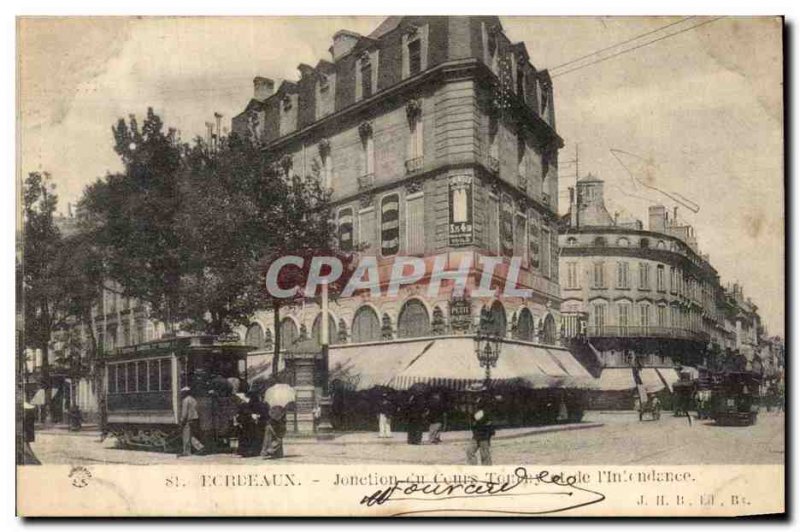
[(487, 349)]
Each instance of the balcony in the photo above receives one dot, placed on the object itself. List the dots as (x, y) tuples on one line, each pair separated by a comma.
[(638, 331), (366, 182), (413, 165)]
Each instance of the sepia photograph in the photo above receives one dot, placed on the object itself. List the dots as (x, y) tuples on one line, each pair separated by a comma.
[(400, 265)]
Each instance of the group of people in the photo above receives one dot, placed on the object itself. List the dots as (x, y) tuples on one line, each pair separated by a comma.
[(423, 412), (260, 429)]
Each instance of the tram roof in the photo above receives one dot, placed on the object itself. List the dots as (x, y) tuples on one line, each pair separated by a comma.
[(199, 345)]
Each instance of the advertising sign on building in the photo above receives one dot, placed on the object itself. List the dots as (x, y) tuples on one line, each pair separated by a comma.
[(461, 227), (460, 313)]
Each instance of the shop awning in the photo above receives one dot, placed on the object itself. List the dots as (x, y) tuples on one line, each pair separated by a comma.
[(616, 379), (651, 381), (361, 367), (670, 376), (451, 363)]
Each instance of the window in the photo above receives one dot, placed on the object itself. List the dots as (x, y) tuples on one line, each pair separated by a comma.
[(623, 316), (366, 77), (366, 326), (492, 222), (494, 150), (415, 139), (289, 333), (572, 275), (327, 169), (622, 275), (112, 378), (166, 374), (316, 330), (673, 279), (644, 243), (345, 229), (130, 378), (390, 225), (644, 314), (154, 379), (367, 151), (141, 376), (546, 259), (644, 276), (519, 238), (572, 241), (415, 224), (623, 242), (600, 242), (661, 316), (521, 81), (599, 315), (660, 282), (521, 170), (122, 370), (366, 228), (507, 227), (254, 336), (414, 56), (525, 327), (413, 320), (599, 279)]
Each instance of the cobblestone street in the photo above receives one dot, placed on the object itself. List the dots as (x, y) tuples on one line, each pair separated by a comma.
[(621, 439)]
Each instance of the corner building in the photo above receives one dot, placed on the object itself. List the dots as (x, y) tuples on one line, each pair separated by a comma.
[(437, 136), (646, 300)]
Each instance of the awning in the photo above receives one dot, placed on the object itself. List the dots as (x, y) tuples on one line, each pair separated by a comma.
[(361, 367), (616, 379), (451, 362), (670, 376), (651, 381)]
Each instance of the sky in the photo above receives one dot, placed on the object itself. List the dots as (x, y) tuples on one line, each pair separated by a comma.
[(698, 114)]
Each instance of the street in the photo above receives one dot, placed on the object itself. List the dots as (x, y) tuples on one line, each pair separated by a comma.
[(622, 439)]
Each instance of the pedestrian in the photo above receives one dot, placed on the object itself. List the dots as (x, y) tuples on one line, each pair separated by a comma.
[(482, 432), (247, 420), (190, 423), (414, 419), (435, 418), (385, 413), (274, 432)]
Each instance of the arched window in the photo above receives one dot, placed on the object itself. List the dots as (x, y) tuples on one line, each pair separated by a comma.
[(644, 243), (366, 326), (413, 320), (549, 330), (623, 242), (661, 244), (498, 317), (525, 325), (289, 333), (572, 241), (600, 242), (316, 330), (254, 336)]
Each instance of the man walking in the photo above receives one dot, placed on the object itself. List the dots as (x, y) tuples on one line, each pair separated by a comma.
[(385, 413), (190, 423), (482, 432), (435, 418)]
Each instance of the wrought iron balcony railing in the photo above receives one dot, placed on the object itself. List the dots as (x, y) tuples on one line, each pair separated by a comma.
[(648, 331)]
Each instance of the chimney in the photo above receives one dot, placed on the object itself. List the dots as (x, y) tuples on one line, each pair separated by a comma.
[(657, 218), (262, 88), (343, 42)]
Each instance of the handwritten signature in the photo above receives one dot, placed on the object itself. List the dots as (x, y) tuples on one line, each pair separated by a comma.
[(538, 501)]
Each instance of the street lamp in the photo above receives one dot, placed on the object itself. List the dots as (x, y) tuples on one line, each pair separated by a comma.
[(487, 349)]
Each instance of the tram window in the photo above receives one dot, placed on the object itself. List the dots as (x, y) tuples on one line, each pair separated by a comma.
[(121, 370), (153, 377), (112, 378), (166, 374), (131, 377), (141, 376)]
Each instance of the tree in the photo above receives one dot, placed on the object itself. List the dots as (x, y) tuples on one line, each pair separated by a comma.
[(40, 277)]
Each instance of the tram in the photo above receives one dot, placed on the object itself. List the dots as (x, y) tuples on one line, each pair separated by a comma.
[(143, 383), (734, 397)]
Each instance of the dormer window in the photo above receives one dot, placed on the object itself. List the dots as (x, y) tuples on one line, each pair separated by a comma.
[(415, 46), (286, 102), (365, 67), (324, 83)]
